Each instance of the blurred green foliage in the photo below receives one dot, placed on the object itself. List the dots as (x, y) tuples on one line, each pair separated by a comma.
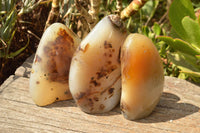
[(185, 53), (8, 19)]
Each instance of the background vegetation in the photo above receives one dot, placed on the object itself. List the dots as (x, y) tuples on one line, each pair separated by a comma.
[(173, 26)]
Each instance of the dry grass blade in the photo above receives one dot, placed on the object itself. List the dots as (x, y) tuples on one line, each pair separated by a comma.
[(94, 10), (119, 6), (85, 14), (4, 45), (54, 13), (30, 5)]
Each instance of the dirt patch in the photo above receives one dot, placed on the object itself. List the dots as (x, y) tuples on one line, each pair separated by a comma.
[(29, 27)]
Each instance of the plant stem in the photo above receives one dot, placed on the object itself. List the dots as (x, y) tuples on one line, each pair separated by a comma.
[(119, 6), (85, 29), (94, 11), (4, 44), (54, 13), (85, 14), (132, 8)]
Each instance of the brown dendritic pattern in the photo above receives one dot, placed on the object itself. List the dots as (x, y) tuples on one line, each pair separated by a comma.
[(92, 99), (59, 54), (107, 68)]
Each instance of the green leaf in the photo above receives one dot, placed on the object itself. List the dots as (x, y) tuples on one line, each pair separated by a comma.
[(149, 9), (163, 48), (177, 11), (8, 25), (199, 20), (182, 75), (10, 40), (195, 74), (193, 31), (156, 29), (184, 62), (191, 59), (180, 45), (13, 54), (198, 57), (145, 30), (173, 33)]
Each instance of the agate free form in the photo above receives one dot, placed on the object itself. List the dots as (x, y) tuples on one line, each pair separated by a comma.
[(50, 70)]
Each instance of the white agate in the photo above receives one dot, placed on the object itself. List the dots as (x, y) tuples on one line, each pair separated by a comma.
[(95, 79), (50, 70)]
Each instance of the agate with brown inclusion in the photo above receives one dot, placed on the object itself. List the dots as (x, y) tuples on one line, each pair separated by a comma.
[(94, 77), (50, 70)]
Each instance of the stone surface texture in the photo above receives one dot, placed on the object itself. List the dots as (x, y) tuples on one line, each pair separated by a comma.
[(177, 111)]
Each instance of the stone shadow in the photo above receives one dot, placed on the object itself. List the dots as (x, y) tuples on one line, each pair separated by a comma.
[(65, 103), (170, 109)]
